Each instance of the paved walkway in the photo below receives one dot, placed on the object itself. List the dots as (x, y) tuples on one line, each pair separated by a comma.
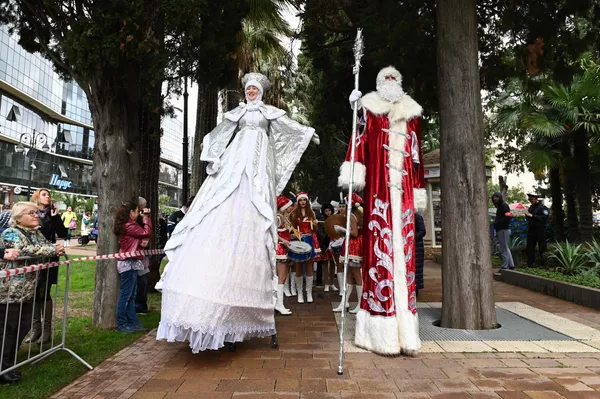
[(305, 365)]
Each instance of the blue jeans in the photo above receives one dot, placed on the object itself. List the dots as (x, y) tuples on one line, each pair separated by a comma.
[(126, 306)]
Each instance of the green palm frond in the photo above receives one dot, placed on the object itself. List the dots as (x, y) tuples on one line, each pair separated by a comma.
[(540, 157), (268, 14), (539, 124)]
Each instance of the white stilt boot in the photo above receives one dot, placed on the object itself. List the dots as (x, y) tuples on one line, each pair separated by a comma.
[(309, 287), (299, 289), (359, 291), (286, 286), (293, 283), (349, 291), (340, 276), (279, 305)]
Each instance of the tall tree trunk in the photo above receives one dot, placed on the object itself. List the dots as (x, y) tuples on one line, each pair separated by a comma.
[(583, 185), (150, 127), (558, 217), (115, 111), (569, 176), (467, 290), (206, 120)]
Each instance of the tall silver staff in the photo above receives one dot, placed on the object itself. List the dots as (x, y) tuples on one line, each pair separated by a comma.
[(358, 53)]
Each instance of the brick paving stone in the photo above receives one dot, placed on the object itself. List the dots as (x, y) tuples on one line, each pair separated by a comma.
[(149, 395), (262, 395), (541, 363), (580, 395), (271, 373), (385, 386), (531, 384), (308, 363), (482, 363), (195, 395), (168, 374), (342, 386), (564, 372), (484, 395), (455, 385), (274, 364), (581, 362), (544, 395), (412, 395), (507, 373), (199, 385), (246, 386), (299, 385), (488, 384), (397, 374), (430, 373), (572, 384), (462, 373), (451, 395), (514, 363), (324, 373), (513, 395), (218, 373), (159, 385), (366, 374), (414, 385), (369, 395)]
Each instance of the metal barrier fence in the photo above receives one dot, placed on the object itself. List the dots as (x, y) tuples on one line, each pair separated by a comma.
[(25, 296), (20, 307)]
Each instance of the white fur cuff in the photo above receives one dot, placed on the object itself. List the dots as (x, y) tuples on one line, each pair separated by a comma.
[(360, 172), (420, 199)]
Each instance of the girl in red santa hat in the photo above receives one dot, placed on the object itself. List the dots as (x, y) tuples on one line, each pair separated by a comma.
[(355, 251), (284, 208), (304, 223)]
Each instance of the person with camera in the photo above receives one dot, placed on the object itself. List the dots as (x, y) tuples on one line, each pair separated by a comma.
[(131, 238), (141, 296)]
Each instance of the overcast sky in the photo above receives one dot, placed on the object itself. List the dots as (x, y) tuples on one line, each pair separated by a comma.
[(290, 16)]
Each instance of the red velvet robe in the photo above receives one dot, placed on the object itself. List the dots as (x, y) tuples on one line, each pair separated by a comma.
[(387, 322)]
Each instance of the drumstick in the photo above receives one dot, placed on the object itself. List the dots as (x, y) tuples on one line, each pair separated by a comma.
[(284, 242)]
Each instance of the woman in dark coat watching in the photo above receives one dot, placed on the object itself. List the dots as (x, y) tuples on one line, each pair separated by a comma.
[(51, 226), (420, 250)]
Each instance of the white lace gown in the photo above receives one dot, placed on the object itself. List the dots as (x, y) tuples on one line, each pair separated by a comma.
[(219, 285)]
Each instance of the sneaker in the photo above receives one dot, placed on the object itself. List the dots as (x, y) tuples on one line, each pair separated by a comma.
[(137, 328), (125, 330)]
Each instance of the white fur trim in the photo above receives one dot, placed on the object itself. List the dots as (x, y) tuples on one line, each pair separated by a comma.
[(404, 109), (305, 196), (388, 335), (286, 206), (254, 83), (420, 199), (360, 172)]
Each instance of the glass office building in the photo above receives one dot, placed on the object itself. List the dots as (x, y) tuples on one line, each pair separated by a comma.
[(36, 104)]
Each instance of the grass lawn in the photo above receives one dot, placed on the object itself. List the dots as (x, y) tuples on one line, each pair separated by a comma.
[(93, 345)]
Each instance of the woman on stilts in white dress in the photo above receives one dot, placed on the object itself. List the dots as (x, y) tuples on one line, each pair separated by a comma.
[(220, 285)]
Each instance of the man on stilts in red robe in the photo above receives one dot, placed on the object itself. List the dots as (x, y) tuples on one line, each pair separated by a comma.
[(389, 171)]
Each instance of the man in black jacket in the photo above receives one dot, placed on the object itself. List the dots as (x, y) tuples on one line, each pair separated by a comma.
[(537, 216), (502, 229)]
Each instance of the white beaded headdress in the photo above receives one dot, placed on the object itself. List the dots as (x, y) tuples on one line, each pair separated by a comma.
[(256, 79)]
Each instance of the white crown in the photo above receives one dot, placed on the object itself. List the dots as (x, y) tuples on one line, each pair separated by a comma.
[(259, 77)]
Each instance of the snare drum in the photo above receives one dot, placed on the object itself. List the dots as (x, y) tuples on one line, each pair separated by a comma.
[(300, 251), (336, 246)]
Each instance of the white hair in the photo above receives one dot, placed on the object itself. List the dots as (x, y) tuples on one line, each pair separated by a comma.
[(18, 210)]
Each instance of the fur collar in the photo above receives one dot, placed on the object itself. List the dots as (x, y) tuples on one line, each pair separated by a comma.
[(405, 109)]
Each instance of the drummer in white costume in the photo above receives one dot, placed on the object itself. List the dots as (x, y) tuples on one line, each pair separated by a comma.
[(219, 288)]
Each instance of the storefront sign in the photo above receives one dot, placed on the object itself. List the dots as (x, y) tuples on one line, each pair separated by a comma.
[(18, 190), (431, 173), (61, 184)]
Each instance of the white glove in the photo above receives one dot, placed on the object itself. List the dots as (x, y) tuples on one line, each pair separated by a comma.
[(315, 139), (354, 96), (339, 229)]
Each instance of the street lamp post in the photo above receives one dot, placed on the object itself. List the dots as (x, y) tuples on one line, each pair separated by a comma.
[(32, 141)]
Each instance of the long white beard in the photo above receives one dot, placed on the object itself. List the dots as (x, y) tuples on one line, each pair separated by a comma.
[(391, 91)]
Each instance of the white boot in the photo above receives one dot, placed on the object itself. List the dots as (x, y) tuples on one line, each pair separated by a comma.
[(359, 291), (326, 289), (279, 305), (293, 283), (348, 292), (286, 287), (309, 287), (299, 289), (340, 276), (333, 288)]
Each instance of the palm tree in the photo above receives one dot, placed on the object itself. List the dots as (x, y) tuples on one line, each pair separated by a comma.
[(565, 116)]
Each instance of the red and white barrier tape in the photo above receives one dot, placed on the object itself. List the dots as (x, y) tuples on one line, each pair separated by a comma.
[(42, 266)]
